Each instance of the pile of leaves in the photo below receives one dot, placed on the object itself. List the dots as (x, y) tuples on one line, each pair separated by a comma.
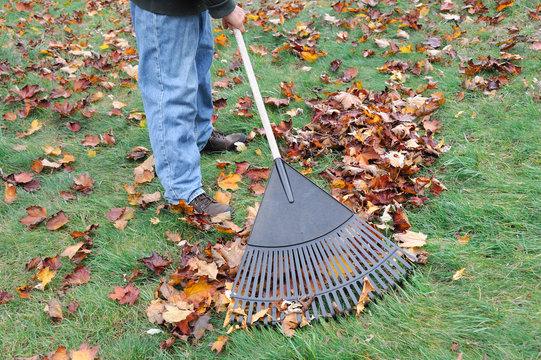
[(384, 140), (199, 283)]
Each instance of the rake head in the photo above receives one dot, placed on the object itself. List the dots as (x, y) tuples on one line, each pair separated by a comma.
[(314, 251)]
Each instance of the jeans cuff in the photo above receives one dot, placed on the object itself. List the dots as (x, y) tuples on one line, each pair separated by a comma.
[(195, 194)]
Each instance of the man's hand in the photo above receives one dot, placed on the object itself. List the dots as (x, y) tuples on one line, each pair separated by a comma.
[(235, 19)]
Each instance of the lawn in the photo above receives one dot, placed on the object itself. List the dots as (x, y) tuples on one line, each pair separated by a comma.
[(66, 65)]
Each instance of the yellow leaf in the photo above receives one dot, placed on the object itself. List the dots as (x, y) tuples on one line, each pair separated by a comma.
[(406, 49), (223, 197), (229, 182), (45, 275), (92, 153), (458, 274), (104, 46), (309, 56)]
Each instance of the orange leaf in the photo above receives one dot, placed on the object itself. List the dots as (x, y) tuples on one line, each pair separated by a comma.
[(219, 344), (11, 193), (223, 197), (57, 221)]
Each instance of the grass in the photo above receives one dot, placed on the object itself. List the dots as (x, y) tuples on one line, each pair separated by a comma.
[(492, 173)]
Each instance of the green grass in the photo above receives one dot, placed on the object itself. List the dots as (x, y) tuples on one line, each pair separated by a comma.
[(492, 172)]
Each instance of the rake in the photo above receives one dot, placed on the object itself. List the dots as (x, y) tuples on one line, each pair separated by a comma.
[(305, 244)]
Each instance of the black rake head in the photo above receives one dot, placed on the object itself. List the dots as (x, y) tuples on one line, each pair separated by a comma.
[(314, 252)]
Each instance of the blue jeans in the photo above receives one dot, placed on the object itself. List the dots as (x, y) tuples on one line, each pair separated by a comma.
[(175, 54)]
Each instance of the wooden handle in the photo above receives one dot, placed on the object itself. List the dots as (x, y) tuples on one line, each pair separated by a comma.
[(257, 95)]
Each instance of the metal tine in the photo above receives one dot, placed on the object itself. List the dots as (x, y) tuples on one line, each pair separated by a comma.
[(294, 281), (243, 290), (300, 273), (323, 246), (307, 263), (329, 278)]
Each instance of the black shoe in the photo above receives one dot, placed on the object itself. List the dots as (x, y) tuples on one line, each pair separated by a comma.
[(207, 205), (218, 141)]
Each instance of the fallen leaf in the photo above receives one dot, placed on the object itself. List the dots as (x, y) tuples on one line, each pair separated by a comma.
[(45, 275), (36, 215), (125, 295), (219, 344), (364, 297), (229, 182), (79, 276), (85, 352), (458, 274), (54, 309), (156, 263), (57, 221), (10, 194)]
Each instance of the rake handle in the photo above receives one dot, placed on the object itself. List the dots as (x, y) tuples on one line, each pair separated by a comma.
[(257, 95)]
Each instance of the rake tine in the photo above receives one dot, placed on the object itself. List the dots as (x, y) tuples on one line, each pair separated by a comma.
[(325, 268), (299, 273)]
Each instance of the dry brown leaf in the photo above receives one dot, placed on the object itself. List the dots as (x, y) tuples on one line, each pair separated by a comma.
[(57, 221), (144, 172), (71, 250), (364, 297), (289, 324), (218, 345), (155, 311), (54, 309), (85, 352)]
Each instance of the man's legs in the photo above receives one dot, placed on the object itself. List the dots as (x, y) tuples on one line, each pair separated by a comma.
[(203, 61), (169, 84)]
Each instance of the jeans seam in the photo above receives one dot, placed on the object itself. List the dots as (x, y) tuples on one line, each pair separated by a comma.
[(162, 115)]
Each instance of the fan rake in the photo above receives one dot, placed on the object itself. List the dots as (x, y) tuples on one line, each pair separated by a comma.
[(306, 247)]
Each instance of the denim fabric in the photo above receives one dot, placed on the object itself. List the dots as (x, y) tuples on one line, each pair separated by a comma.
[(175, 54)]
